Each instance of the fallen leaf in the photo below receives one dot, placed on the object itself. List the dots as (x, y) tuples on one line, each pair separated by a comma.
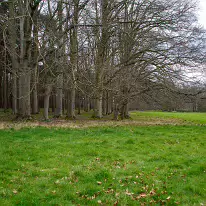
[(128, 193), (152, 192), (117, 194), (15, 192), (116, 203), (143, 195), (93, 197)]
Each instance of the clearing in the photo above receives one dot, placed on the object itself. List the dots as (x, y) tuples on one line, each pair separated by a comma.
[(102, 165)]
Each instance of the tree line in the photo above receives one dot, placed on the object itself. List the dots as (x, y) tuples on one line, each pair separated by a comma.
[(95, 54)]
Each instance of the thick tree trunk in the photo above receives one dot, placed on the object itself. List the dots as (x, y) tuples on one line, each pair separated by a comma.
[(125, 111), (46, 101), (34, 92), (79, 103), (35, 53), (59, 96), (86, 104), (61, 51), (64, 105), (25, 59), (116, 112), (35, 109), (24, 91), (14, 92), (122, 112), (109, 103), (71, 104), (13, 55), (98, 106), (73, 63), (53, 103), (104, 104), (127, 115)]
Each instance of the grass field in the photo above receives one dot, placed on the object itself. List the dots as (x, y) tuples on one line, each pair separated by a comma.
[(192, 117), (122, 165)]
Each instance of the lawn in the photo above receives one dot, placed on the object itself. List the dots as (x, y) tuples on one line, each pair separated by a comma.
[(192, 117), (133, 165)]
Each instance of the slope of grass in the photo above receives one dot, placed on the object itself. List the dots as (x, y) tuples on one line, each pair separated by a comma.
[(193, 117), (161, 165)]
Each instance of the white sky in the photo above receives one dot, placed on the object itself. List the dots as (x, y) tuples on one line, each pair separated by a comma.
[(202, 12)]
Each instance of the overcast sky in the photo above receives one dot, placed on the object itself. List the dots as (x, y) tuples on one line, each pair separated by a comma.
[(202, 12)]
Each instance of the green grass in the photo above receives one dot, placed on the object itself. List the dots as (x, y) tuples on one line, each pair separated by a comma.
[(161, 165), (144, 116), (193, 117)]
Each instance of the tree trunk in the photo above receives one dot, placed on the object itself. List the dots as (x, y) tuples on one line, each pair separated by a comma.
[(127, 115), (109, 103), (53, 103), (46, 101), (71, 104), (116, 111), (104, 104), (79, 103), (5, 91), (1, 91), (98, 106), (86, 104), (25, 59), (13, 55), (14, 92), (73, 62), (35, 53), (125, 111), (101, 57), (59, 95), (61, 51), (34, 92), (24, 91)]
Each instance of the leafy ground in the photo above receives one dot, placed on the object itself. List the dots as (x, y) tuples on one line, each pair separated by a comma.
[(118, 165)]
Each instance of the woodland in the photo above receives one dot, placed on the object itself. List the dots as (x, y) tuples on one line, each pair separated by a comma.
[(97, 55), (69, 69)]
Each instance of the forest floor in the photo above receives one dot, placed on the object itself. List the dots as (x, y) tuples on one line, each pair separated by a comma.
[(85, 120), (155, 158)]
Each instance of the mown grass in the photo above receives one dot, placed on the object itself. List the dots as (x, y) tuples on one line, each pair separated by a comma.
[(193, 117), (157, 165), (140, 116)]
